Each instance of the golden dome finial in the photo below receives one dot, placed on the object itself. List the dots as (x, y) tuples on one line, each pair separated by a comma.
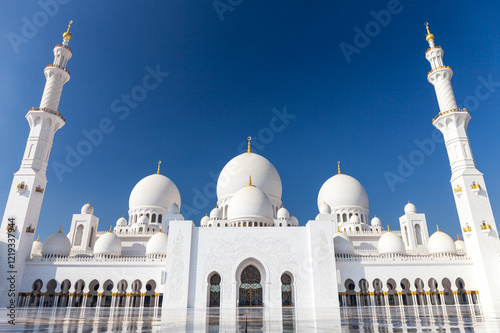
[(59, 229), (67, 34), (338, 228), (429, 35), (388, 229), (250, 181), (458, 237), (110, 228), (249, 139), (158, 172), (161, 229), (437, 227), (38, 238), (338, 167)]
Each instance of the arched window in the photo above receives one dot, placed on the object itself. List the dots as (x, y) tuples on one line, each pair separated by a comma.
[(159, 218), (418, 234), (406, 235), (79, 235), (350, 293), (153, 218), (338, 218), (286, 290), (250, 289), (214, 301), (344, 217)]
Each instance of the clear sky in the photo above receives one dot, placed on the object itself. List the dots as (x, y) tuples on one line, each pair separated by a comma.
[(230, 63)]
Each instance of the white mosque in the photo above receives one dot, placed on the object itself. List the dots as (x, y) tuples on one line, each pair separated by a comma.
[(340, 258)]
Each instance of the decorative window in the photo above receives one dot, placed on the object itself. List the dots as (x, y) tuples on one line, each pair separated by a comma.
[(250, 289), (286, 290), (215, 291)]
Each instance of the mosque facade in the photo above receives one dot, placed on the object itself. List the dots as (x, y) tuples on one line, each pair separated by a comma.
[(341, 257)]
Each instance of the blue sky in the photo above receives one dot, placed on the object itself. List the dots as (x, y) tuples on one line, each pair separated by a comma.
[(225, 78)]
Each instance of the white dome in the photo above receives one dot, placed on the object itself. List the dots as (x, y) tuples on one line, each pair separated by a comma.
[(87, 209), (121, 222), (204, 221), (342, 243), (173, 209), (325, 208), (460, 246), (108, 244), (154, 191), (283, 213), (143, 219), (354, 219), (215, 213), (376, 222), (36, 248), (235, 174), (294, 221), (440, 243), (390, 243), (57, 244), (343, 191), (410, 208), (157, 245), (250, 203)]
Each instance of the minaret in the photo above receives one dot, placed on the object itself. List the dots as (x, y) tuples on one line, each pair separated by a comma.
[(469, 189), (28, 186)]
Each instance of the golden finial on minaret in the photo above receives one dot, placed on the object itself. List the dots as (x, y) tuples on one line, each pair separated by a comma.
[(38, 238), (249, 139), (429, 35), (67, 34), (158, 172), (338, 167)]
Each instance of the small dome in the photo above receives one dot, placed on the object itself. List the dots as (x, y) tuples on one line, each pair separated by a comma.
[(250, 203), (354, 219), (143, 220), (57, 244), (108, 244), (294, 221), (154, 191), (87, 209), (36, 249), (157, 245), (173, 209), (410, 208), (215, 213), (459, 245), (283, 213), (325, 208), (342, 191), (440, 243), (235, 173), (204, 221), (390, 243), (121, 222), (376, 222), (342, 243)]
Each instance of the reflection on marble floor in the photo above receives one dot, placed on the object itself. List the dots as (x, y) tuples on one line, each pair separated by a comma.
[(354, 319)]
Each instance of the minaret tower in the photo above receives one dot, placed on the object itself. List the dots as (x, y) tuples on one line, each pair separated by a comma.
[(28, 186), (469, 188)]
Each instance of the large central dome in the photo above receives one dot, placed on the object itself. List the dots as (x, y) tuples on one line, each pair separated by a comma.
[(155, 191), (341, 191), (235, 174)]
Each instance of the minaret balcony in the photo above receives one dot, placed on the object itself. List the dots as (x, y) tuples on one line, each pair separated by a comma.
[(39, 189), (449, 111), (57, 66), (49, 111), (458, 191), (437, 68), (431, 48), (485, 227), (467, 229), (65, 46)]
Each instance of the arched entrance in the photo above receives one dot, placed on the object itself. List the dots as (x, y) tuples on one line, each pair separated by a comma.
[(250, 288), (214, 291)]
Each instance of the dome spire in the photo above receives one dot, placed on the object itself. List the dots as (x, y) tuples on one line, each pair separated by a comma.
[(430, 37), (437, 227), (458, 237), (338, 167), (249, 139), (250, 181), (67, 34), (38, 238), (388, 229), (158, 172), (59, 229)]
